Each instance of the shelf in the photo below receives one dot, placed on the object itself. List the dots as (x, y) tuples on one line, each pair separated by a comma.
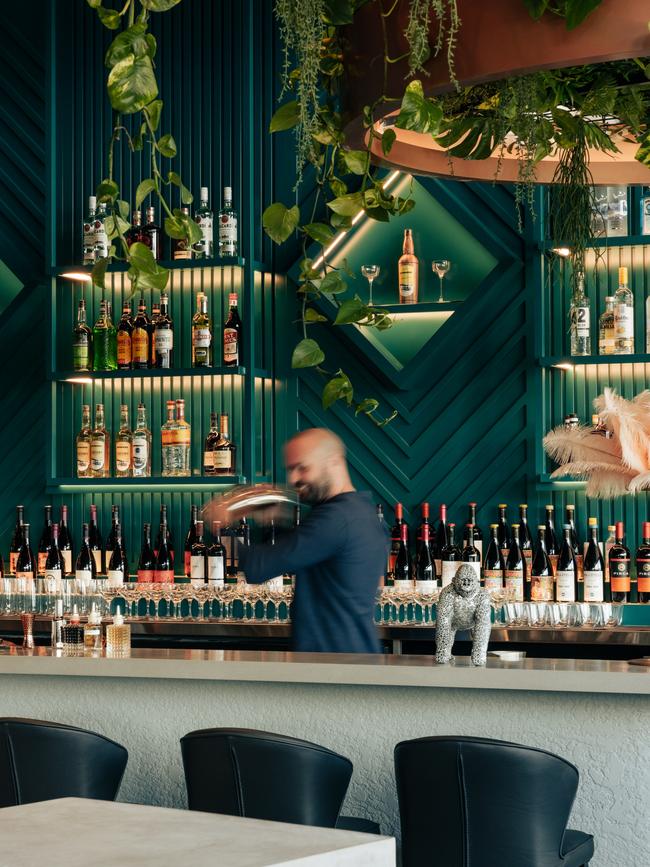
[(175, 265), (546, 483), (156, 373), (422, 307), (562, 361), (623, 241), (167, 483)]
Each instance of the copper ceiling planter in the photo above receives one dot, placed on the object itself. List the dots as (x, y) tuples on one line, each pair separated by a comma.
[(497, 39)]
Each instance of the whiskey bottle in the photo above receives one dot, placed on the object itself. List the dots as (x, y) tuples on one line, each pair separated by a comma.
[(141, 445), (82, 341), (164, 335), (408, 271), (201, 333), (101, 238), (83, 445), (623, 316), (181, 247), (606, 338), (124, 445), (135, 232), (95, 540), (46, 539), (65, 540), (16, 539), (232, 334), (140, 338), (227, 226), (151, 234), (204, 249), (89, 232), (167, 433), (25, 562), (183, 442), (100, 446), (124, 332), (104, 340), (211, 441), (224, 451)]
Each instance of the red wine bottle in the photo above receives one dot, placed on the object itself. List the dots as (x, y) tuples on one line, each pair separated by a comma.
[(426, 578), (470, 553), (167, 532), (190, 539), (570, 511), (118, 567), (147, 559), (594, 567), (515, 573), (65, 541), (541, 579), (198, 559), (26, 562), (403, 565), (395, 537), (95, 541), (619, 566), (54, 563), (566, 576), (478, 535), (503, 532), (216, 558), (45, 540), (494, 566), (643, 564), (85, 567), (164, 568), (425, 521), (450, 557), (525, 538), (16, 539), (552, 545), (441, 539)]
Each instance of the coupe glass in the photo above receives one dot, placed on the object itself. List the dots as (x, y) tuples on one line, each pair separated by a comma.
[(370, 272), (441, 267)]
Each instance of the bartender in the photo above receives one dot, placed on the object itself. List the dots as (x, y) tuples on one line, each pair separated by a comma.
[(337, 553)]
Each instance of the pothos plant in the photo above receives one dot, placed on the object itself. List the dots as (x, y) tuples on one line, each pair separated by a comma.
[(133, 91)]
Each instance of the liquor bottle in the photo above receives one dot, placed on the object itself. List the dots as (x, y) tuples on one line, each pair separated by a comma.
[(83, 445), (147, 559), (95, 541), (124, 338), (570, 511), (211, 441), (645, 211), (54, 568), (594, 567), (503, 530), (25, 562), (450, 558), (46, 539), (16, 539), (85, 566), (441, 540), (225, 452), (566, 576), (104, 340), (552, 546), (623, 316), (135, 233), (183, 439), (216, 558), (610, 541), (198, 558), (118, 567), (89, 232), (478, 535), (494, 565), (201, 333), (227, 226), (101, 238), (403, 573), (426, 578), (65, 540), (515, 573), (140, 338), (408, 268), (82, 341), (100, 446), (470, 553), (164, 568), (152, 232), (606, 335), (181, 247), (619, 566), (167, 437), (124, 445), (141, 445), (155, 315), (580, 320), (396, 537), (232, 334), (525, 538), (204, 249), (163, 337), (190, 539), (541, 580), (643, 564)]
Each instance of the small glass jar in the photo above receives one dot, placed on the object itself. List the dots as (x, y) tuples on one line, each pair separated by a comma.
[(93, 632), (118, 636)]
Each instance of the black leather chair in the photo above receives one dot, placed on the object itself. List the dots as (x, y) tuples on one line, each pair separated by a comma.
[(44, 760), (244, 772), (485, 803)]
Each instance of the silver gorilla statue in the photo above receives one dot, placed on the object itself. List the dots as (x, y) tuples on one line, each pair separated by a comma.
[(463, 605)]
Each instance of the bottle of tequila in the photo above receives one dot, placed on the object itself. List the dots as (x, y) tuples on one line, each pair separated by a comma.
[(83, 445), (224, 452), (204, 249), (82, 345), (89, 232), (124, 445), (101, 238), (100, 446), (580, 320), (227, 226), (104, 340), (201, 333), (141, 445), (623, 316)]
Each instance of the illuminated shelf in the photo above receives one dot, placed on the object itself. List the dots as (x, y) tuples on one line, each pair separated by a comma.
[(561, 361), (168, 483), (546, 483), (174, 265), (621, 241), (156, 373), (422, 307)]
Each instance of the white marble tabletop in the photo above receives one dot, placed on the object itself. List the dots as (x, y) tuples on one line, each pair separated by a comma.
[(76, 832)]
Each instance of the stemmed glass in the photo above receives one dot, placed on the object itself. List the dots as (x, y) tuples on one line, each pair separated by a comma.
[(440, 267), (370, 272)]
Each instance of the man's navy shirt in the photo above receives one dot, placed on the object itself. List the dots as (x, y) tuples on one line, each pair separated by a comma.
[(338, 555)]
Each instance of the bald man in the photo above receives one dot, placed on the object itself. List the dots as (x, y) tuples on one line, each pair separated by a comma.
[(337, 553)]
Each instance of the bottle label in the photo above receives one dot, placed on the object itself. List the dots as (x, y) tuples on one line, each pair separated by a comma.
[(515, 583), (81, 353), (42, 557), (580, 567), (541, 588), (222, 459), (528, 557), (426, 587), (407, 279), (164, 576), (176, 437), (493, 579), (140, 452), (83, 577), (201, 337), (100, 239), (403, 584), (145, 576), (25, 576), (83, 457), (436, 562), (123, 347), (227, 235), (623, 321), (13, 557), (449, 569), (89, 242), (619, 575), (643, 569), (97, 557), (139, 346), (565, 585), (208, 460), (197, 568), (230, 346), (216, 573), (594, 586), (163, 339), (123, 457), (205, 224), (67, 561), (580, 321), (553, 558), (97, 456), (115, 578)]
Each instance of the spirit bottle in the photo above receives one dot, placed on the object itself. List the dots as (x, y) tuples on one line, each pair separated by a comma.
[(181, 247), (183, 437), (124, 445), (124, 336), (100, 446), (135, 232), (606, 338), (224, 452), (201, 333), (232, 334), (155, 315), (580, 320), (16, 539), (65, 540), (167, 434), (82, 341), (89, 232), (83, 445), (623, 316), (140, 338), (408, 268), (210, 443), (46, 539), (104, 340), (204, 249), (141, 445), (645, 211), (227, 226), (101, 238), (163, 337), (151, 234)]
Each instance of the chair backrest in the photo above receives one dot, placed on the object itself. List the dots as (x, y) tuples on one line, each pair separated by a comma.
[(43, 760), (260, 775), (473, 801)]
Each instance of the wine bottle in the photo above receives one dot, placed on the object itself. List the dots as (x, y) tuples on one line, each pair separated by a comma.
[(95, 541), (168, 534), (541, 581), (552, 546), (471, 553), (494, 565), (65, 540), (164, 568), (450, 558), (503, 530), (441, 539), (424, 508), (216, 558), (610, 541), (515, 573), (25, 562), (190, 539), (242, 536), (594, 567), (16, 539), (478, 535), (570, 512), (408, 271), (566, 576), (198, 557), (525, 538), (118, 567), (395, 538), (54, 564), (211, 441), (146, 561), (426, 579), (619, 566), (85, 567), (112, 533), (232, 334), (643, 564), (403, 573), (45, 540)]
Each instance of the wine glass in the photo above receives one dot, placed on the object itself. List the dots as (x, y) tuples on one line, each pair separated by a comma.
[(440, 267), (370, 272)]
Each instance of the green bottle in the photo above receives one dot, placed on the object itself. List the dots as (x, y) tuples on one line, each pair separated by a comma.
[(104, 339)]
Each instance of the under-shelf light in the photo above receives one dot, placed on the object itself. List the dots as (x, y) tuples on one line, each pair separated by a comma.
[(564, 365), (79, 380), (79, 276), (565, 252)]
